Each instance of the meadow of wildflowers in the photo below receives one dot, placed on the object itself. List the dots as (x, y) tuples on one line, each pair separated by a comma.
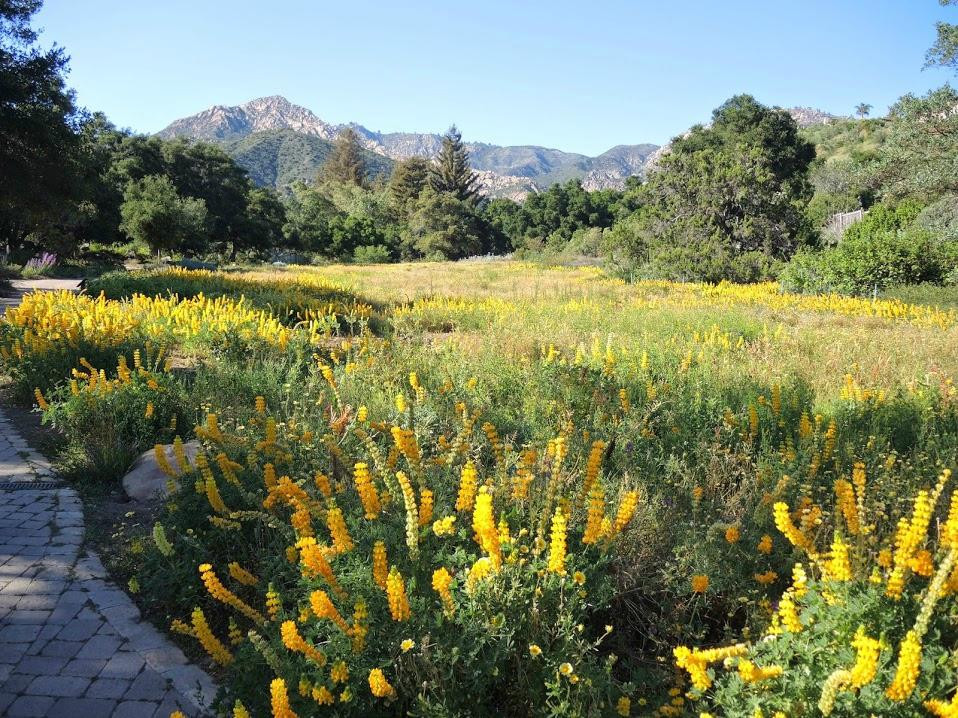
[(511, 490)]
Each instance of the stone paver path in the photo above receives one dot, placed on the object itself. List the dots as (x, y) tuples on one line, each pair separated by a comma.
[(72, 643)]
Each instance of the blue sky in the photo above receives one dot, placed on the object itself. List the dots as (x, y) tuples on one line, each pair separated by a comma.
[(579, 76)]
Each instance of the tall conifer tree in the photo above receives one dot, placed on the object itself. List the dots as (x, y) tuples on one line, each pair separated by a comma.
[(345, 163), (452, 173)]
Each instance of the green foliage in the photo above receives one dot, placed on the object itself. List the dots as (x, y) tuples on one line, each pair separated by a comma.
[(153, 212), (941, 218), (345, 163), (887, 247), (452, 174), (944, 53), (372, 254), (41, 182), (408, 180), (721, 195), (278, 159), (863, 264), (335, 219), (918, 158), (553, 216), (112, 425), (444, 227)]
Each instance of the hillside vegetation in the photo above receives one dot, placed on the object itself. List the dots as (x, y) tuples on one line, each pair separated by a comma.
[(280, 158)]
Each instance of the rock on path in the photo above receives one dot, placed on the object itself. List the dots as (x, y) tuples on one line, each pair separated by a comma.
[(71, 642)]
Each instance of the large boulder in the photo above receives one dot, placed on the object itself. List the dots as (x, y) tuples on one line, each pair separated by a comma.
[(146, 480)]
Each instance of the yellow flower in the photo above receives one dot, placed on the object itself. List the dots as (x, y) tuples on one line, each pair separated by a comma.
[(765, 545), (700, 583), (557, 545), (323, 607), (566, 669), (279, 699), (378, 684), (407, 645), (380, 564), (579, 578), (296, 643), (396, 592), (907, 670), (732, 534), (534, 650), (623, 706), (484, 525), (467, 487), (201, 630), (366, 490), (441, 581)]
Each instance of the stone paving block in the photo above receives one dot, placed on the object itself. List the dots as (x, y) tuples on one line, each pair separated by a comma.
[(41, 665), (123, 665), (30, 707), (108, 688), (72, 643), (30, 618), (18, 634), (134, 709), (148, 686), (190, 680), (13, 652), (173, 703), (164, 657), (122, 610), (80, 629), (101, 647), (37, 603), (62, 615), (59, 686), (84, 667), (61, 649), (85, 707), (17, 683)]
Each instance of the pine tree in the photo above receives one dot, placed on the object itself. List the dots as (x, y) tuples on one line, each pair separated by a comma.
[(345, 163), (452, 173), (408, 180)]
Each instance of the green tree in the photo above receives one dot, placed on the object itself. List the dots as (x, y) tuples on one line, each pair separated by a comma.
[(40, 181), (153, 212), (309, 214), (726, 202), (451, 173), (743, 121), (919, 156), (863, 109), (346, 162), (944, 53), (264, 219), (409, 179), (444, 227)]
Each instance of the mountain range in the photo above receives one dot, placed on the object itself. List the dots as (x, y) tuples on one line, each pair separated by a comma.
[(279, 142)]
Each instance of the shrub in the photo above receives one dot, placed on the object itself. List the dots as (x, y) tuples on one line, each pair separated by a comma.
[(399, 576), (112, 421), (373, 254), (864, 626), (865, 263)]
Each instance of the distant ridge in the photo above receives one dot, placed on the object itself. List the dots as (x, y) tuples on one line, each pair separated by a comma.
[(512, 171)]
